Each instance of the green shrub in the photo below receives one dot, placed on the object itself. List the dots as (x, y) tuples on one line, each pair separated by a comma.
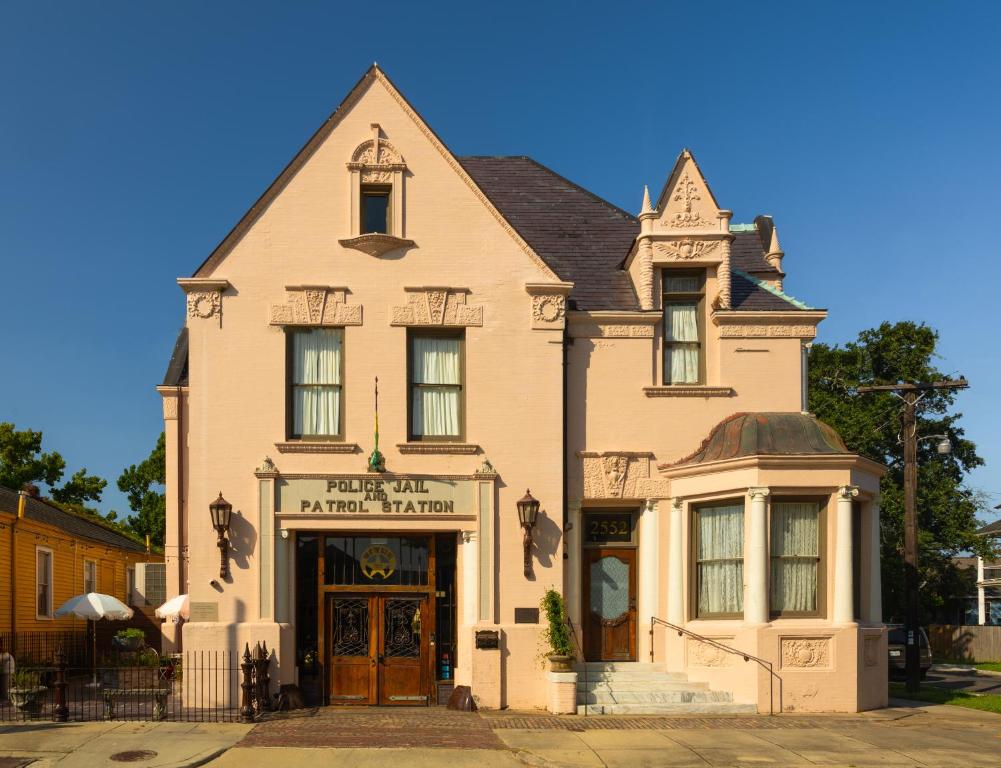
[(557, 631), (25, 678), (130, 634)]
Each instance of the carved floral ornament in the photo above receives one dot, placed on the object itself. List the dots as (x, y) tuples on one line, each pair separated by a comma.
[(620, 475), (707, 655), (203, 296), (806, 652), (316, 305), (767, 330), (436, 306), (549, 309), (376, 159), (687, 193), (687, 249)]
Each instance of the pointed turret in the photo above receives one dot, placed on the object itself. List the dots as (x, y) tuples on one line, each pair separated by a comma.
[(775, 252)]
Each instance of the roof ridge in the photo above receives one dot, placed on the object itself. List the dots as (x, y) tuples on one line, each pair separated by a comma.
[(764, 284)]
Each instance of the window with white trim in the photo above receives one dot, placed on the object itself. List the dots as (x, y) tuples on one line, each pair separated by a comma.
[(43, 583)]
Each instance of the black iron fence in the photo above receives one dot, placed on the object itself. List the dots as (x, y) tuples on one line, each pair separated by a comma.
[(36, 648), (197, 686)]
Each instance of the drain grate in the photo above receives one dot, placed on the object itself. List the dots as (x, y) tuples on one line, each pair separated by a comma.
[(133, 755)]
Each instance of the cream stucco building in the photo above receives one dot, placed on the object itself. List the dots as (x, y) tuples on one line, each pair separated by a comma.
[(642, 374)]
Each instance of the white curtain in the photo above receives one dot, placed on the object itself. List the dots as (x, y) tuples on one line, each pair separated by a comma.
[(317, 361), (436, 408), (721, 559), (795, 549), (682, 325)]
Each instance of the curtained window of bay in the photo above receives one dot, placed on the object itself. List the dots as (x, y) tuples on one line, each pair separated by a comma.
[(720, 560), (317, 362), (436, 387), (795, 556)]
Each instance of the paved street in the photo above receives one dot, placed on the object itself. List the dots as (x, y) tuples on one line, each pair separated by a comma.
[(903, 735)]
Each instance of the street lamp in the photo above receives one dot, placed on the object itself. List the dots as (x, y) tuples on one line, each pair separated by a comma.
[(221, 511), (944, 445), (528, 512)]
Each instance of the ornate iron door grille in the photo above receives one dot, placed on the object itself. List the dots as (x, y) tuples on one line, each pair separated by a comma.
[(402, 628), (350, 627)]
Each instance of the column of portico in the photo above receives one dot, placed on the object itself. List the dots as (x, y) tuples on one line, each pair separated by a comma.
[(675, 567), (649, 569), (844, 609), (469, 579), (981, 593), (756, 559), (875, 615)]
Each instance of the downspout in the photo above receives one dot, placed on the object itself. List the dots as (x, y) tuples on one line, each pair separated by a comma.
[(182, 571), (566, 478), (21, 500)]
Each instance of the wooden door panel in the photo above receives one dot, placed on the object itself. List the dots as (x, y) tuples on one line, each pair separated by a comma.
[(352, 642), (609, 581), (403, 650)]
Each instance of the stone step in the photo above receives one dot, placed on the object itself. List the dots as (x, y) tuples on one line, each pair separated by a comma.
[(652, 697), (662, 677), (620, 666), (640, 684), (705, 708)]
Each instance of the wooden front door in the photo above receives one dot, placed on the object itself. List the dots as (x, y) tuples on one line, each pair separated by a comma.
[(378, 648), (610, 604)]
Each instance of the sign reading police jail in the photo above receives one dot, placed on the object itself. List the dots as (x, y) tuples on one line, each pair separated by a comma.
[(367, 495)]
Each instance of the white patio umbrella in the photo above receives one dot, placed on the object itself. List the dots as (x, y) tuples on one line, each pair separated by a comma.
[(175, 608), (95, 606)]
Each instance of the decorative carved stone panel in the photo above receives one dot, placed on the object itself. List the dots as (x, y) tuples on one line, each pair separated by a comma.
[(204, 304), (620, 475), (767, 330), (688, 249), (437, 306), (870, 650), (549, 311), (806, 652), (702, 654), (611, 331), (316, 305)]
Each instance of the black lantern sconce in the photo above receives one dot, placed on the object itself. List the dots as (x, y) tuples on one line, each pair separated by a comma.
[(221, 511), (528, 512)]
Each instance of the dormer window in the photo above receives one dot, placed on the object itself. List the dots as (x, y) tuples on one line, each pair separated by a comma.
[(376, 209), (684, 294)]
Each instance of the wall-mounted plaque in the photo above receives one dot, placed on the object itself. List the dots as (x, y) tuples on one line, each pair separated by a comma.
[(487, 639), (526, 615), (207, 611), (608, 528), (396, 496)]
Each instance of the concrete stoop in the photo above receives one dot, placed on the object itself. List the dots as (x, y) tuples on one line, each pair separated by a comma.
[(635, 688)]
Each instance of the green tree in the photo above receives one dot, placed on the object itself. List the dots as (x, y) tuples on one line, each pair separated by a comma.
[(870, 425), (142, 484), (22, 462)]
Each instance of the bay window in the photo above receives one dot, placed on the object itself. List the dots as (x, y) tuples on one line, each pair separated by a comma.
[(315, 384), (796, 535), (683, 303), (719, 560), (435, 363)]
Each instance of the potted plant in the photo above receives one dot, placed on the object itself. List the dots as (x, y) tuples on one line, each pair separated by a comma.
[(129, 639), (26, 691), (557, 632)]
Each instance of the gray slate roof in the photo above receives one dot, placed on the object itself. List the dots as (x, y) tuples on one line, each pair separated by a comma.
[(585, 239), (43, 512)]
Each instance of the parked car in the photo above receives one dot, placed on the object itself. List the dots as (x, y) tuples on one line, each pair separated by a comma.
[(897, 642)]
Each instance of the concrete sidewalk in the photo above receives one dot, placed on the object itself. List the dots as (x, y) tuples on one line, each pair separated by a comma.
[(85, 745)]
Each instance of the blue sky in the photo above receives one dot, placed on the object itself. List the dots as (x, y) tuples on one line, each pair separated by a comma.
[(134, 135)]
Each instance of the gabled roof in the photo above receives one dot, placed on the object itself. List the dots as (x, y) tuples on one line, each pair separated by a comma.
[(580, 236), (177, 368), (75, 525), (373, 74), (991, 529)]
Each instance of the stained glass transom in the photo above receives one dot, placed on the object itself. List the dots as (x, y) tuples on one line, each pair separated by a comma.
[(609, 587)]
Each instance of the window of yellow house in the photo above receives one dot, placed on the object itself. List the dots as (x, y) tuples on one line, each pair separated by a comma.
[(43, 583), (684, 295), (89, 576)]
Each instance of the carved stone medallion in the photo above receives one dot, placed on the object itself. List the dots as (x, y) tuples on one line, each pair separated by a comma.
[(806, 652), (204, 304)]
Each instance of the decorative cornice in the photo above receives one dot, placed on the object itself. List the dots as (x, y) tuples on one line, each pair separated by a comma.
[(307, 446), (189, 284), (316, 305), (845, 461), (376, 244), (436, 306), (613, 325), (439, 448), (684, 390), (548, 289)]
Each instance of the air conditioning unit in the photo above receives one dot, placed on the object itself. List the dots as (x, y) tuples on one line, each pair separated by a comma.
[(151, 584)]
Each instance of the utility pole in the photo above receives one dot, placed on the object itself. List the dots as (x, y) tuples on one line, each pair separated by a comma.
[(911, 394)]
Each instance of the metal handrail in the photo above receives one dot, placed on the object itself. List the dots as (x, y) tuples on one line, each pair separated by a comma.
[(763, 663), (580, 650)]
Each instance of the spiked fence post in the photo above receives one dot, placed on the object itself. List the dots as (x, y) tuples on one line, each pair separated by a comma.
[(247, 687), (60, 712)]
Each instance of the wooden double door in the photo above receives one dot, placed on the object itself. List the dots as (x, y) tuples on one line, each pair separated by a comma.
[(378, 648), (609, 610)]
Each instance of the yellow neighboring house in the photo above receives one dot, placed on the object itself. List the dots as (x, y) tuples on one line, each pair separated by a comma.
[(56, 555)]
